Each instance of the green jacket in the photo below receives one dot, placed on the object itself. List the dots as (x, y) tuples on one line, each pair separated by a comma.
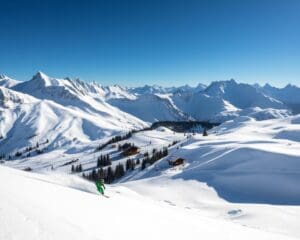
[(100, 187)]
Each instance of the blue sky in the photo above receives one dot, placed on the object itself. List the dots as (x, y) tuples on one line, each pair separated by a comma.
[(152, 42)]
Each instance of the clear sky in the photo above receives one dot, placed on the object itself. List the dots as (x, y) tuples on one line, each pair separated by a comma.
[(171, 42)]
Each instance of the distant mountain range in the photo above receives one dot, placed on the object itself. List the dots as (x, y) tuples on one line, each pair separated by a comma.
[(289, 95), (67, 111)]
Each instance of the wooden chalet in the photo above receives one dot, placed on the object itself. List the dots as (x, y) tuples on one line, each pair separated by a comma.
[(176, 162), (132, 150)]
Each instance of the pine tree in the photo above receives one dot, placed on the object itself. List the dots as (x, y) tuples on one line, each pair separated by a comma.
[(143, 164), (205, 132), (165, 151), (128, 164), (101, 173), (103, 161), (119, 171), (110, 175), (99, 161), (132, 165), (94, 175), (18, 154)]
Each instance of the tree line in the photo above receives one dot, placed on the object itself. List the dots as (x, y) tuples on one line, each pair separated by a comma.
[(114, 140), (110, 174), (156, 155), (76, 168), (103, 161)]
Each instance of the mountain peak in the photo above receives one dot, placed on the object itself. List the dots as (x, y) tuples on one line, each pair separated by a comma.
[(68, 78), (267, 86), (7, 82), (2, 76), (223, 82), (42, 79), (40, 75), (290, 86), (232, 80)]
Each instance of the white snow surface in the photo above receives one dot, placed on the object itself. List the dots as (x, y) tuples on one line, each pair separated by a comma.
[(240, 182), (26, 120), (219, 102), (49, 206), (242, 95), (290, 95), (150, 108), (7, 82), (244, 160)]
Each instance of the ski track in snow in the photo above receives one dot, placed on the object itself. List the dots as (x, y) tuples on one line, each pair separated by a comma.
[(42, 209)]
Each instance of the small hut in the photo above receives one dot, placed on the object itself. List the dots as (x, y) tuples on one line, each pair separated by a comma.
[(176, 162), (132, 150)]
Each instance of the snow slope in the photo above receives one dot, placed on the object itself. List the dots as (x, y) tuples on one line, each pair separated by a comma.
[(265, 114), (7, 82), (197, 196), (150, 108), (204, 107), (242, 95), (41, 207), (26, 120), (155, 89), (290, 95), (243, 177), (220, 101), (243, 160)]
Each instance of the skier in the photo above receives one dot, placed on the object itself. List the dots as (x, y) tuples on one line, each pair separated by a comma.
[(100, 186)]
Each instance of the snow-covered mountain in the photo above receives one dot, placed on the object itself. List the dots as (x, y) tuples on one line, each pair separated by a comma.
[(75, 94), (242, 95), (232, 180), (156, 89), (7, 82), (26, 120), (67, 110), (147, 89), (188, 89), (203, 107), (150, 108), (241, 159), (290, 95), (59, 90), (220, 101), (116, 92), (225, 178)]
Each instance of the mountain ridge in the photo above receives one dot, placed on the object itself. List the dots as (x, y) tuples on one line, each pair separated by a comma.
[(219, 101)]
